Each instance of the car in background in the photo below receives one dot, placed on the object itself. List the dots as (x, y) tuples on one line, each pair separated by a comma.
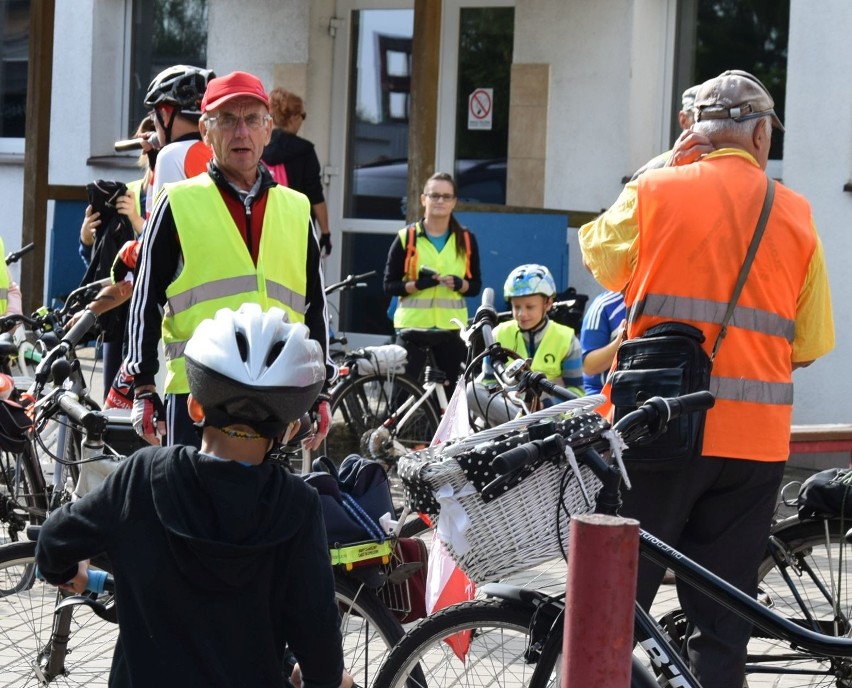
[(379, 190)]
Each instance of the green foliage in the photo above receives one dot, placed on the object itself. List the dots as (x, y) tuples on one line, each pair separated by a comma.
[(180, 28)]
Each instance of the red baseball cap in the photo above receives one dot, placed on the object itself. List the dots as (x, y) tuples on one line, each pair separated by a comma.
[(224, 88)]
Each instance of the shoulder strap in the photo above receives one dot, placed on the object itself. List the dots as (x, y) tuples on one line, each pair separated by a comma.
[(749, 259), (466, 234), (411, 252)]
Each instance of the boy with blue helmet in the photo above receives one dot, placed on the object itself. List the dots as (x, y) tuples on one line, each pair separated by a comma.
[(554, 349)]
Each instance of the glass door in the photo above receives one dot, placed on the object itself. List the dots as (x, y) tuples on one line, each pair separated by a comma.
[(369, 144), (369, 141)]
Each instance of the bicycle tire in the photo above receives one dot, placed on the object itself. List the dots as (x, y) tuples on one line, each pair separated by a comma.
[(817, 553), (360, 405), (26, 619), (547, 673), (495, 657), (23, 492), (368, 628)]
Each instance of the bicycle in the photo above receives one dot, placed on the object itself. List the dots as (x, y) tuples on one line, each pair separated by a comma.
[(40, 645), (18, 356), (41, 453), (517, 633)]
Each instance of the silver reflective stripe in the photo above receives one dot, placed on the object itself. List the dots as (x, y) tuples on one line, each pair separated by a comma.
[(757, 391), (415, 303), (178, 303), (705, 310), (4, 293), (286, 296), (432, 303), (174, 350)]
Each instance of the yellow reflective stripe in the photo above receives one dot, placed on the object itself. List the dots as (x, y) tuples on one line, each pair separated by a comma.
[(286, 296), (217, 289), (705, 310), (756, 391)]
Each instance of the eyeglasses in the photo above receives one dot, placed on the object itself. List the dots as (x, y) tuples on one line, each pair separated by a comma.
[(440, 196), (229, 122)]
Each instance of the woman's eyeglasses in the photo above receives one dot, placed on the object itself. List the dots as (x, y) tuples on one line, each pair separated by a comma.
[(440, 196)]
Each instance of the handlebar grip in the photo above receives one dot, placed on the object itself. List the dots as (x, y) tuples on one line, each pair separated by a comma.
[(516, 458), (690, 403), (98, 581), (93, 421), (83, 325), (488, 298)]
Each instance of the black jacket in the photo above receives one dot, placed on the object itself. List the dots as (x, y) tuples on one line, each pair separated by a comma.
[(217, 566), (300, 160)]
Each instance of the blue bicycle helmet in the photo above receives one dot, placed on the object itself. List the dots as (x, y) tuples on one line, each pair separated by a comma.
[(526, 280)]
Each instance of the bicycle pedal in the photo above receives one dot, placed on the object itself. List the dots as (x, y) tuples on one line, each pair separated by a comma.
[(403, 572)]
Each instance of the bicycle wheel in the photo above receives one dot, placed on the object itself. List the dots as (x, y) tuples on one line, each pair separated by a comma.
[(26, 625), (548, 671), (361, 405), (813, 562), (23, 495), (368, 627), (498, 634)]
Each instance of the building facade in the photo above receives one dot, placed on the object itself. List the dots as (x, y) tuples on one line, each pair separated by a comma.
[(544, 104)]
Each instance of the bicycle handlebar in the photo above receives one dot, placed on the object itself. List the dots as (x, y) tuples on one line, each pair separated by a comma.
[(654, 413), (93, 421), (15, 256), (657, 412), (485, 320), (350, 282)]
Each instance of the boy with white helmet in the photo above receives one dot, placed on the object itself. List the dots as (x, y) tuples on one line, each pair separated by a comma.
[(555, 351), (220, 557)]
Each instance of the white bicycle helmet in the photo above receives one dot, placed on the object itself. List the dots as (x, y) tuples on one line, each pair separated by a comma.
[(247, 367), (526, 280), (182, 86)]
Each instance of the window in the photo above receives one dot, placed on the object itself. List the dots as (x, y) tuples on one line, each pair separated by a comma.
[(716, 35), (164, 33), (14, 55)]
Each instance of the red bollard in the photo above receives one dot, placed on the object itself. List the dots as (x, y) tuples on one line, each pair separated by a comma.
[(603, 557)]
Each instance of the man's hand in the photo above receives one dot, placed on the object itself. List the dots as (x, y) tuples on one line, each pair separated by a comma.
[(322, 414), (325, 244), (148, 415), (689, 147)]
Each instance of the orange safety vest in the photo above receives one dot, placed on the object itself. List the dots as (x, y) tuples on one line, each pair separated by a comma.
[(695, 225)]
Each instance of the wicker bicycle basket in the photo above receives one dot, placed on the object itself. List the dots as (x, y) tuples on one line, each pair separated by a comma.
[(525, 525)]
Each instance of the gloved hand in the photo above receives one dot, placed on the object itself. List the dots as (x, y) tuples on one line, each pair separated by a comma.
[(321, 414), (325, 244), (453, 282), (149, 416), (426, 279)]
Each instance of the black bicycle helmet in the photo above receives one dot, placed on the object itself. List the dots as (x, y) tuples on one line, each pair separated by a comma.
[(251, 368), (182, 86)]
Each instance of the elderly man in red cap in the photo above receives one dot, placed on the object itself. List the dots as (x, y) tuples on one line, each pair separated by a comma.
[(676, 242), (219, 240)]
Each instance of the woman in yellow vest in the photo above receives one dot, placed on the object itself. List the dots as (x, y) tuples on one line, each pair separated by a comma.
[(553, 348), (432, 265)]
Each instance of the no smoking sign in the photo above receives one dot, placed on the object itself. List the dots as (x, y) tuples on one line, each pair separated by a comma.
[(480, 108)]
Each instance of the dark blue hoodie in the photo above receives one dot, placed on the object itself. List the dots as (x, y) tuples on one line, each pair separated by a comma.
[(217, 566)]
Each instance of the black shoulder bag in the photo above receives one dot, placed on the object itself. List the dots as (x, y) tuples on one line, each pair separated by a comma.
[(668, 360)]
